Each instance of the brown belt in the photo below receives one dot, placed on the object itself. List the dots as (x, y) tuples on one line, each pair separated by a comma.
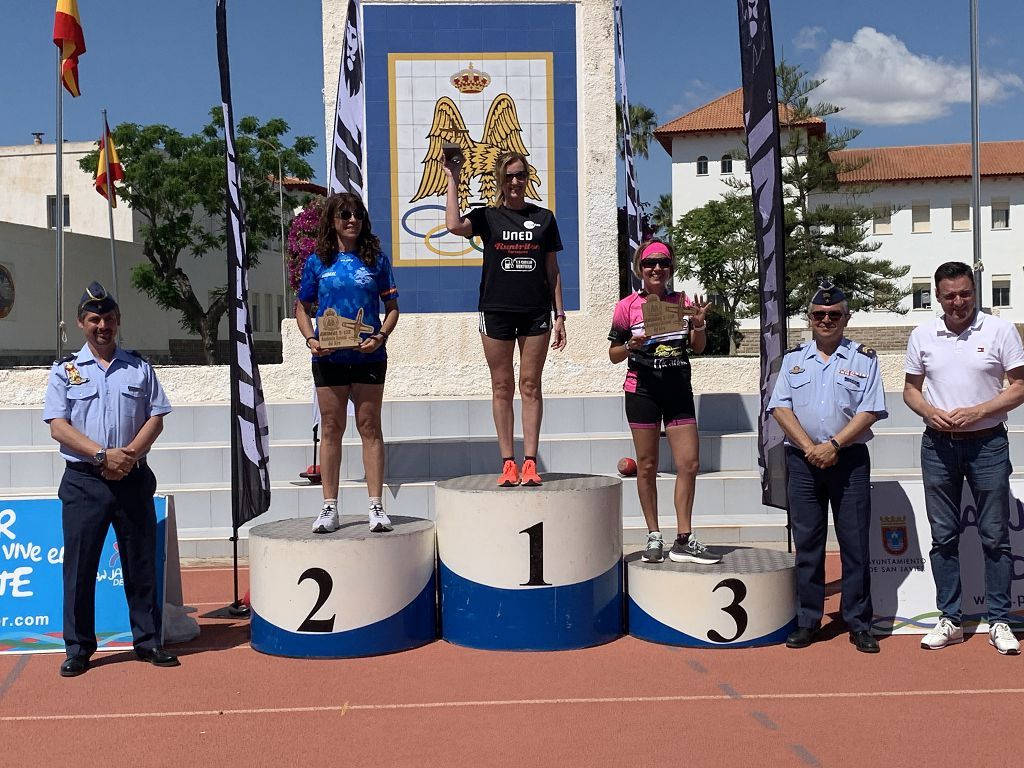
[(977, 434)]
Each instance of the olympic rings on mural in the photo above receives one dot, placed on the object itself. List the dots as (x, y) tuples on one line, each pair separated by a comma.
[(436, 232)]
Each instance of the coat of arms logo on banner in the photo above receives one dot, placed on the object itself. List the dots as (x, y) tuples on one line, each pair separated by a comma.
[(894, 534)]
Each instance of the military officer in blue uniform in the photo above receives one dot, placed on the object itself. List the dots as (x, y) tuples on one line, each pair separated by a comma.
[(827, 396), (105, 407)]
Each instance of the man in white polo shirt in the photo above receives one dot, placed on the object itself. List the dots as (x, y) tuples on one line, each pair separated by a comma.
[(963, 355)]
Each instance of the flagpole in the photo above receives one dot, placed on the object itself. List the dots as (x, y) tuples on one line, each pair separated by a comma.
[(975, 154), (110, 209), (58, 214)]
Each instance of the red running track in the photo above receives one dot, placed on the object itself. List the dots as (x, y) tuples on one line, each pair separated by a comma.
[(625, 703)]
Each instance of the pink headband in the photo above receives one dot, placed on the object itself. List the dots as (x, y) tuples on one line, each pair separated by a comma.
[(654, 249)]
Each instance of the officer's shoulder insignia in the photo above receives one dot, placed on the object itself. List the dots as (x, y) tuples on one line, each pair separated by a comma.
[(136, 353), (797, 348), (66, 359), (74, 375), (867, 352)]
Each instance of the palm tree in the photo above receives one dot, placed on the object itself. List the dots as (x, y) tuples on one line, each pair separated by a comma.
[(661, 216), (642, 122)]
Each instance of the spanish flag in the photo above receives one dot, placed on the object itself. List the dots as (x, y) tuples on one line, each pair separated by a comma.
[(108, 162), (67, 35)]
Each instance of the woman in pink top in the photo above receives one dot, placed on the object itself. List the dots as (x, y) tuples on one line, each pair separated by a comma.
[(658, 391)]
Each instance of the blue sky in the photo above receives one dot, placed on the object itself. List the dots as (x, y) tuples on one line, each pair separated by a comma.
[(900, 68)]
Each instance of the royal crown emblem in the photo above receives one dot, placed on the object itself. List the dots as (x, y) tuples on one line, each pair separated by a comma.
[(470, 80)]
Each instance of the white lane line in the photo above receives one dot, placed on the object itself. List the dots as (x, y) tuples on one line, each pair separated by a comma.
[(346, 707)]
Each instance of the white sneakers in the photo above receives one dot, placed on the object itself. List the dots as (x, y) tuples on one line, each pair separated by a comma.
[(327, 521), (1001, 638), (379, 522), (945, 633)]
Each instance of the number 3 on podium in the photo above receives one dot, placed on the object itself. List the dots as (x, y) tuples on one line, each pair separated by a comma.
[(734, 609)]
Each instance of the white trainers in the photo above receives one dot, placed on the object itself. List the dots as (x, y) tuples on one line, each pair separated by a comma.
[(327, 521), (379, 522), (1002, 639), (945, 633)]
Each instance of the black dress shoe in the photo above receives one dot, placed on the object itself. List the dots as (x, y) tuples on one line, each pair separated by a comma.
[(158, 657), (864, 641), (801, 637), (74, 666)]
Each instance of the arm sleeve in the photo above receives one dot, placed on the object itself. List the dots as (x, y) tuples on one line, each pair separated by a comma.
[(478, 220), (913, 364), (386, 288), (553, 241), (55, 403), (782, 395), (308, 285), (873, 400), (159, 405), (620, 331), (1011, 350)]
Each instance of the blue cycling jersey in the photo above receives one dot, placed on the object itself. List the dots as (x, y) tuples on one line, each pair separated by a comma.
[(346, 286)]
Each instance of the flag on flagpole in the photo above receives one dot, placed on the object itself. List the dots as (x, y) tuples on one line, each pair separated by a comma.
[(761, 120), (348, 153), (68, 36), (632, 192), (250, 433), (108, 169)]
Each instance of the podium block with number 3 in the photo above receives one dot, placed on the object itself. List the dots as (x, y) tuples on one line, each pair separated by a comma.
[(530, 568)]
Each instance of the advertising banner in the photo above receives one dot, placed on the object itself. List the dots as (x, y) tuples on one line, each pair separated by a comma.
[(902, 589), (31, 582)]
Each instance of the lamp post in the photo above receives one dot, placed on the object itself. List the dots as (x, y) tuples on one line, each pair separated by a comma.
[(280, 220)]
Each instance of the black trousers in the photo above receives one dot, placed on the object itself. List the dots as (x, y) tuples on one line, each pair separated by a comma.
[(90, 505), (846, 485)]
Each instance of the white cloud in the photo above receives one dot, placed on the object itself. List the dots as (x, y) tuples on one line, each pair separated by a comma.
[(807, 38), (879, 81)]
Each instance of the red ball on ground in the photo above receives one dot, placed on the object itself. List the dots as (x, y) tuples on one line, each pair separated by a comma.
[(627, 467)]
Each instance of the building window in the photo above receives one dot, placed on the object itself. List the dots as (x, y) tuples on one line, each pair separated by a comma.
[(1000, 214), (1000, 290), (922, 293), (280, 311), (961, 217), (746, 165), (254, 312), (51, 211), (726, 163), (702, 165), (921, 220), (882, 222)]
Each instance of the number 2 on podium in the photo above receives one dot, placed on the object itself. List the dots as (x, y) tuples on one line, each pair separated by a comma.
[(536, 534), (326, 583)]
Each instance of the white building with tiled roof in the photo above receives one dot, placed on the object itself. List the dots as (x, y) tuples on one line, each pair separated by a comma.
[(928, 186)]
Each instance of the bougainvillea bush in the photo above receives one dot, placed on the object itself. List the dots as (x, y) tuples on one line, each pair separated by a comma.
[(302, 239)]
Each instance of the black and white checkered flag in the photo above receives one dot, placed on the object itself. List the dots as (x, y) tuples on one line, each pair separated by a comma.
[(250, 433), (348, 151)]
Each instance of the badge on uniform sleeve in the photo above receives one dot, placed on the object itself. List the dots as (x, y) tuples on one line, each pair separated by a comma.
[(796, 369), (74, 376)]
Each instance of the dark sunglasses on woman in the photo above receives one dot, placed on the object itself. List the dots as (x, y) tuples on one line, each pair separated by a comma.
[(344, 214)]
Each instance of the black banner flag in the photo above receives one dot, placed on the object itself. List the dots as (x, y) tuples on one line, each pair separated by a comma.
[(250, 434), (761, 120)]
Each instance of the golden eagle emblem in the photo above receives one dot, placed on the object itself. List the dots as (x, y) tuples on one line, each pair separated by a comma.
[(502, 133)]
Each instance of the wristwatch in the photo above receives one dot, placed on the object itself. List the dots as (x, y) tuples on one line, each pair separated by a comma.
[(100, 457), (835, 443)]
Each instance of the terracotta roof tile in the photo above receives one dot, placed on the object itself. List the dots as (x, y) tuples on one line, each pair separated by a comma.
[(723, 114), (936, 161)]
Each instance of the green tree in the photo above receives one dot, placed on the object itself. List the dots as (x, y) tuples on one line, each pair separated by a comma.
[(715, 244), (642, 122), (824, 238), (661, 216), (177, 185)]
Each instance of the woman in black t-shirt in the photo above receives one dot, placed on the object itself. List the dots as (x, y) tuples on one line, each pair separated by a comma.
[(519, 286)]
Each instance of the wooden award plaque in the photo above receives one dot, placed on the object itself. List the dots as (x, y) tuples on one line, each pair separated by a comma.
[(663, 317), (336, 332)]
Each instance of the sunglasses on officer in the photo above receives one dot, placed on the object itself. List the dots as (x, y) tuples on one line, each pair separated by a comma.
[(345, 214), (834, 315)]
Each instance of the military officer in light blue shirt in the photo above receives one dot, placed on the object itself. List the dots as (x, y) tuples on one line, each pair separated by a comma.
[(105, 407), (827, 396)]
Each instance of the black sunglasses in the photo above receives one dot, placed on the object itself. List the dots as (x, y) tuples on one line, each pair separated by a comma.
[(518, 175), (835, 315), (344, 214), (651, 263)]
